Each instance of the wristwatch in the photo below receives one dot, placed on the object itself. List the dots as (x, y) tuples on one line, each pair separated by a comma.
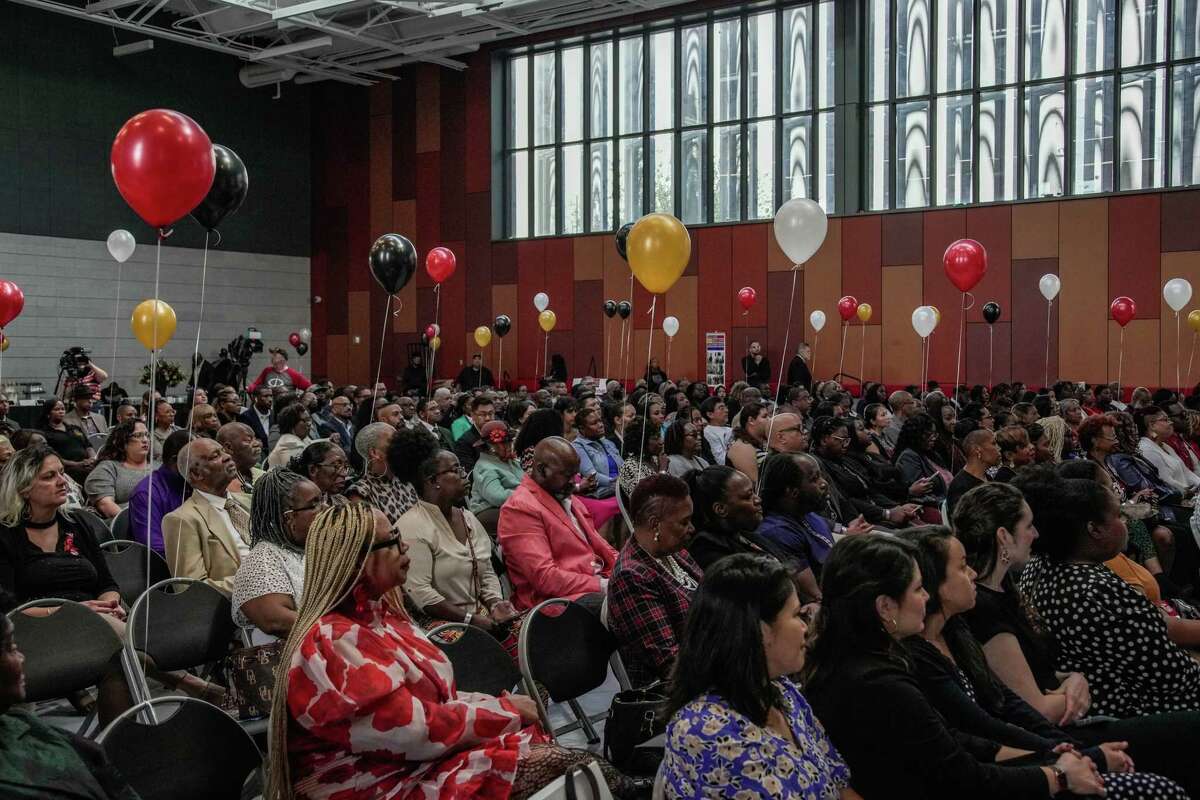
[(467, 619), (1060, 777)]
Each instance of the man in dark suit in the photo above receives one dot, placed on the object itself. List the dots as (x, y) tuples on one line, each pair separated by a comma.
[(483, 411), (475, 376), (258, 416), (798, 373), (339, 421), (429, 417)]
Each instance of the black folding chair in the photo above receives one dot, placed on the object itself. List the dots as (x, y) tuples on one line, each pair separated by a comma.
[(569, 653), (196, 752), (126, 561), (120, 525), (480, 663), (65, 652)]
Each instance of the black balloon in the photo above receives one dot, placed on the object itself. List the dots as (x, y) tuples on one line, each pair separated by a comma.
[(393, 261), (502, 325), (229, 187), (301, 348), (622, 237), (624, 308), (991, 312), (610, 308)]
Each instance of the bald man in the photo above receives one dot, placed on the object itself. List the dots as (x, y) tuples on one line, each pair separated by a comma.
[(551, 547), (982, 453), (240, 441), (787, 435)]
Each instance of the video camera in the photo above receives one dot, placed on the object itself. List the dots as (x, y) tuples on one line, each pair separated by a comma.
[(75, 362), (243, 348)]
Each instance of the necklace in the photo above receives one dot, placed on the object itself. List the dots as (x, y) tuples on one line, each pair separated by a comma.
[(669, 565), (41, 526)]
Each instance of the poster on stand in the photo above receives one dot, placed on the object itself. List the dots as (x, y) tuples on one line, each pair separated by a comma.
[(714, 358)]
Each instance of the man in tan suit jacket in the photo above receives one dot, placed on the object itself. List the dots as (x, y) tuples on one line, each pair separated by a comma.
[(209, 534)]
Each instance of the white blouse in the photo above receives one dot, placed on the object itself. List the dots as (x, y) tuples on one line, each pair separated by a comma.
[(440, 566), (1171, 468), (267, 569)]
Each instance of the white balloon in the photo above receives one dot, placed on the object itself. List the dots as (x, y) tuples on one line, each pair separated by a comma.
[(817, 319), (1178, 293), (800, 226), (305, 335), (671, 326), (120, 245), (924, 320), (541, 301), (1049, 286)]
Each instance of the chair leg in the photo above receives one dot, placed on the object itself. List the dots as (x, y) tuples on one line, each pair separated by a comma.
[(585, 723)]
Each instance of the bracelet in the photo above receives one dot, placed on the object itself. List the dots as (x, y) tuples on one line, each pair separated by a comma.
[(469, 616), (1060, 777)]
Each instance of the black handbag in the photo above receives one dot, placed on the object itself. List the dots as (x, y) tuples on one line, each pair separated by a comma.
[(588, 775), (635, 716)]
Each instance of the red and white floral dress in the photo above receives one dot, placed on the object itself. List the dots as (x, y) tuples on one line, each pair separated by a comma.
[(374, 713)]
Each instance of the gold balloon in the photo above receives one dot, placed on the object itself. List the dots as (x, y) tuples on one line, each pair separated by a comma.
[(153, 324), (659, 248), (4, 342), (937, 313), (483, 336), (435, 343), (547, 320), (1194, 320), (864, 312)]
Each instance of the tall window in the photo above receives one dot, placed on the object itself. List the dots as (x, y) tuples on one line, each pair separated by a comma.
[(987, 100), (714, 119)]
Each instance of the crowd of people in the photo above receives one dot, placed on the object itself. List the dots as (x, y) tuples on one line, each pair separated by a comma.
[(970, 592)]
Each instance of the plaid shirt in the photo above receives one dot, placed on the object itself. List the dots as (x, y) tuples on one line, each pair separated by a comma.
[(647, 609)]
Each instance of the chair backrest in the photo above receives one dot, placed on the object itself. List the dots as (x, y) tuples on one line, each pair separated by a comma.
[(65, 652), (197, 752), (192, 626), (564, 647), (97, 440), (659, 792), (588, 783), (624, 513), (480, 663), (120, 525), (126, 561)]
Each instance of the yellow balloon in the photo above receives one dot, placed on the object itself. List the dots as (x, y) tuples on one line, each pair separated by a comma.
[(864, 312), (547, 320), (153, 324), (435, 343), (659, 248), (937, 313), (483, 336), (4, 342), (1193, 321)]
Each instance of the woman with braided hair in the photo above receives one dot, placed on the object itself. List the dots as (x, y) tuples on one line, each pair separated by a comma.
[(367, 707), (270, 579)]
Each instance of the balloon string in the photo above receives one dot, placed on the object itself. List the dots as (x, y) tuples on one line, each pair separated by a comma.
[(112, 407), (649, 350), (162, 234), (842, 355), (1189, 372), (437, 315), (1177, 358), (1120, 362), (991, 355), (962, 327), (787, 332), (862, 357), (199, 325), (399, 304), (669, 340), (607, 374), (379, 367), (500, 368), (1046, 377)]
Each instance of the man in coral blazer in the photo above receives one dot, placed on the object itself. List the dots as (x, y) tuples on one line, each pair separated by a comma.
[(549, 543)]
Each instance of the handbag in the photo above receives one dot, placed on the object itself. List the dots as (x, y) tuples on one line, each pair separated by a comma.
[(251, 682), (589, 776), (635, 716)]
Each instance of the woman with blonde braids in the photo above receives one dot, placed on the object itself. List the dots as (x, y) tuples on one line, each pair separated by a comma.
[(366, 706)]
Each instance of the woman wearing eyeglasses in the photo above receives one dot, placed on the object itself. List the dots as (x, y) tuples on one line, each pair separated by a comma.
[(120, 467), (450, 577), (325, 464), (270, 579)]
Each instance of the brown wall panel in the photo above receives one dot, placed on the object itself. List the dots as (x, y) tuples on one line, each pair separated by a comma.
[(504, 301), (589, 260), (779, 293), (1180, 210), (359, 360), (1141, 362), (587, 335), (902, 239), (338, 368), (428, 107), (1184, 265), (749, 259), (942, 228), (1133, 247), (1035, 230), (989, 355), (681, 303), (861, 259), (1029, 334), (822, 288), (1084, 299), (991, 226)]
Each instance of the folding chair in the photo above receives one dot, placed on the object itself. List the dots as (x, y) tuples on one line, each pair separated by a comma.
[(65, 652), (480, 663), (181, 630), (120, 525), (587, 783), (126, 561), (96, 441), (569, 653), (198, 752), (624, 513)]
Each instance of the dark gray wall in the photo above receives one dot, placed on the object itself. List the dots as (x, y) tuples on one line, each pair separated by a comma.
[(63, 97)]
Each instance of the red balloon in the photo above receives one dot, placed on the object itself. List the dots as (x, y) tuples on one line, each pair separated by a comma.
[(431, 331), (440, 264), (847, 307), (1123, 309), (294, 339), (12, 301), (965, 262), (747, 297), (163, 165)]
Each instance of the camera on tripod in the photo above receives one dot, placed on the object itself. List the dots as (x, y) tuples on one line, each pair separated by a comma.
[(75, 362)]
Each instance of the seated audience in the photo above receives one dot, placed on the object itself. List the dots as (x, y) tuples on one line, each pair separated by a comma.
[(164, 423), (953, 674), (1156, 428), (717, 432), (1016, 451), (325, 464), (654, 579), (641, 450), (203, 421), (245, 449), (122, 464), (450, 575), (168, 488), (207, 537), (597, 455), (270, 580), (727, 512), (82, 416), (917, 457), (483, 411), (740, 726), (944, 415), (68, 441), (294, 425), (864, 692), (497, 473), (750, 438), (260, 416), (550, 545), (1103, 627), (878, 419), (378, 487), (7, 451), (982, 455), (1053, 448), (335, 726), (852, 493), (429, 417), (683, 444), (542, 424)]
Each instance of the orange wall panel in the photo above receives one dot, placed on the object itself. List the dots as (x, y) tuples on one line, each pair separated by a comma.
[(1083, 302), (902, 288), (1035, 230), (822, 289), (1186, 265)]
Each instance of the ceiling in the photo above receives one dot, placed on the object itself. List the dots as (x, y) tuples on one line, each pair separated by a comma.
[(351, 41)]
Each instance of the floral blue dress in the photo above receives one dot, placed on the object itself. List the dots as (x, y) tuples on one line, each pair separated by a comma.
[(713, 751)]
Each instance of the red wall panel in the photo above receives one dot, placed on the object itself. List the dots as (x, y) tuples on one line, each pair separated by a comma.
[(1029, 336), (991, 226), (588, 334), (531, 279), (1180, 210), (715, 280), (779, 292), (559, 281), (942, 228), (901, 239), (749, 253), (979, 349), (1133, 248), (861, 263)]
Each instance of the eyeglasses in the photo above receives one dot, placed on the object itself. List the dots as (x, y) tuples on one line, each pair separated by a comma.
[(393, 542), (457, 468), (315, 505), (841, 438), (336, 466)]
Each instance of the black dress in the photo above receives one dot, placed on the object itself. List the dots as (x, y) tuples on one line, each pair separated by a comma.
[(71, 444), (76, 570)]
